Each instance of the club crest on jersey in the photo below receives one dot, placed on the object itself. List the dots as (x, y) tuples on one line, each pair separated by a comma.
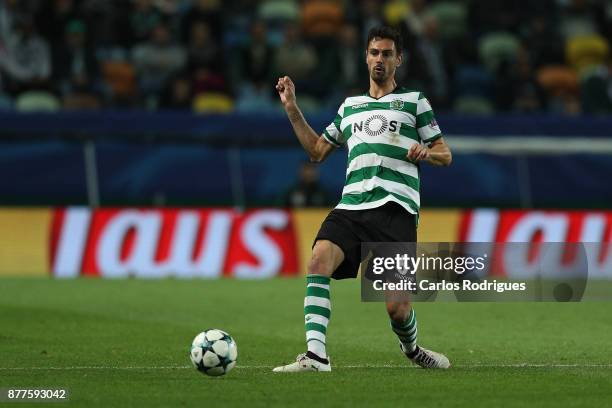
[(397, 104)]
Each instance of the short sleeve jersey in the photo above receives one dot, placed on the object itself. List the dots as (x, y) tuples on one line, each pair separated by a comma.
[(378, 134)]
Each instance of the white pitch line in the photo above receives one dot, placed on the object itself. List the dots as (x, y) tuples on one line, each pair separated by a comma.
[(94, 368), (519, 365)]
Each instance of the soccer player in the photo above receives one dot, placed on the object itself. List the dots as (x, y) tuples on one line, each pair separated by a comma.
[(388, 132)]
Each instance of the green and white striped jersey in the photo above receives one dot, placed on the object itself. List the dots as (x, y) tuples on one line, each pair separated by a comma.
[(379, 133)]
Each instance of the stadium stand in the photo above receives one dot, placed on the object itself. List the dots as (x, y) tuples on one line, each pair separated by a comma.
[(127, 100), (72, 47)]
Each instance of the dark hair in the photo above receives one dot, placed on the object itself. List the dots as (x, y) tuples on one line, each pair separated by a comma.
[(385, 32)]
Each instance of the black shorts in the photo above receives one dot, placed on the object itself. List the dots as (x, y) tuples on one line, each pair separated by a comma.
[(349, 228)]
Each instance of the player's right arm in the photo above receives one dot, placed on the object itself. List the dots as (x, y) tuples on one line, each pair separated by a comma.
[(317, 147)]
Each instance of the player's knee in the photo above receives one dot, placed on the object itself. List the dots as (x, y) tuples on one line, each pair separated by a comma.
[(398, 311), (321, 262), (319, 265)]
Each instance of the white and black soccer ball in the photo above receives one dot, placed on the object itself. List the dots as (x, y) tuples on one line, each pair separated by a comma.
[(213, 352)]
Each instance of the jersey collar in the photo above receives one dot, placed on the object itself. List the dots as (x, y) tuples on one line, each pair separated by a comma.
[(393, 91)]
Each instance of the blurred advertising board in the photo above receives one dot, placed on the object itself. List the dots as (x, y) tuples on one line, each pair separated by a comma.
[(593, 228), (490, 225), (252, 244), (182, 243), (24, 241)]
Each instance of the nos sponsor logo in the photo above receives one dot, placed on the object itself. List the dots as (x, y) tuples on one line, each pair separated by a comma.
[(376, 125)]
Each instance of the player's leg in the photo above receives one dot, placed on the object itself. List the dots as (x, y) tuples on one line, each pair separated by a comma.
[(404, 325), (401, 231), (326, 257)]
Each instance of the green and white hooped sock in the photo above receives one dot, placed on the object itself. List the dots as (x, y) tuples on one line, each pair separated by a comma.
[(407, 332), (317, 310)]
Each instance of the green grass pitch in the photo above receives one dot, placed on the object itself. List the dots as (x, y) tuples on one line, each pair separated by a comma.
[(126, 343)]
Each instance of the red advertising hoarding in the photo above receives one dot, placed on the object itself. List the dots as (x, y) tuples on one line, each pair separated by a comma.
[(592, 228), (258, 243), (183, 243)]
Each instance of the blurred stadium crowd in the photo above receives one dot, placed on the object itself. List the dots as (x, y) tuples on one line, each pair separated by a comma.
[(469, 56)]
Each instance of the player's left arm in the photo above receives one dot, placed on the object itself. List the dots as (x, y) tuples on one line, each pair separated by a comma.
[(432, 148), (437, 153)]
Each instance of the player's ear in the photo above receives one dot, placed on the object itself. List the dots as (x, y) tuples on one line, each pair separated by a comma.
[(399, 59)]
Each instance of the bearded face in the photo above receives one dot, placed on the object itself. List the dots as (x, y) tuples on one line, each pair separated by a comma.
[(382, 59)]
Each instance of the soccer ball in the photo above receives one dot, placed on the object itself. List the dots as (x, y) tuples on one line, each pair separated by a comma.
[(213, 352)]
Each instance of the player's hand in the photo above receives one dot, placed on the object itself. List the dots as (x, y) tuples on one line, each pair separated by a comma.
[(286, 90), (417, 153)]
